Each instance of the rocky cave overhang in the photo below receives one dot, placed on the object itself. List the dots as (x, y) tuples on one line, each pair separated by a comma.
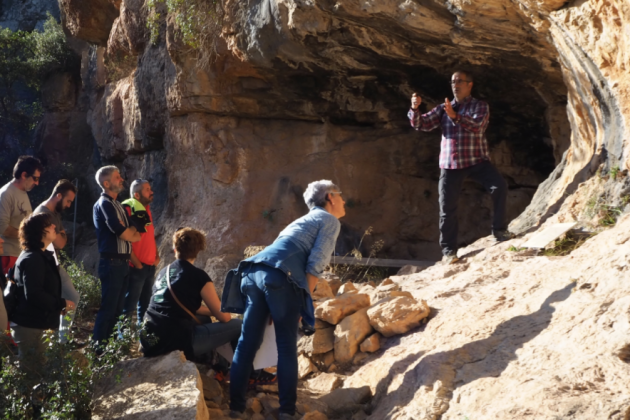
[(351, 66)]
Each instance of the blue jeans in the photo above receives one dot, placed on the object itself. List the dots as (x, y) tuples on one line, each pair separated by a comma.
[(113, 274), (208, 336), (139, 291), (268, 292)]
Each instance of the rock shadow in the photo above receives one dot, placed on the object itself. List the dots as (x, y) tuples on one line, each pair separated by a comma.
[(443, 372)]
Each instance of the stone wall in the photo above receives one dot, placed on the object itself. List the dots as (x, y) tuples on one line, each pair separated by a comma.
[(306, 90)]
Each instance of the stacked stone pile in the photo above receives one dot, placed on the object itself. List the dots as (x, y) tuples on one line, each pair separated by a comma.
[(351, 323)]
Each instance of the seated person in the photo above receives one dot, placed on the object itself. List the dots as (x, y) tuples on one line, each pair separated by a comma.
[(172, 321), (39, 301)]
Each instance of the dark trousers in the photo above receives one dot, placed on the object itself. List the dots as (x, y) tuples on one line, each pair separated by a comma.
[(450, 186), (139, 291), (113, 274)]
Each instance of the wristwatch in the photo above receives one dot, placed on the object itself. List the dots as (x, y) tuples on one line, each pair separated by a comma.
[(458, 118)]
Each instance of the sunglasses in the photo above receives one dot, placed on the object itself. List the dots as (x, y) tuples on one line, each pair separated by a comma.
[(35, 178)]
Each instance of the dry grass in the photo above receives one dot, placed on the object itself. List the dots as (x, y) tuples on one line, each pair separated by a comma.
[(571, 241)]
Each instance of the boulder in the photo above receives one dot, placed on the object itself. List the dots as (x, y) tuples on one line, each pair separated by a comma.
[(322, 324), (213, 413), (345, 400), (323, 361), (151, 388), (326, 382), (212, 390), (322, 290), (257, 416), (323, 340), (269, 389), (410, 269), (359, 358), (334, 310), (314, 415), (254, 405), (397, 315), (334, 284), (384, 290), (359, 415), (305, 345), (269, 403), (346, 287), (386, 282), (350, 333), (305, 366), (371, 344)]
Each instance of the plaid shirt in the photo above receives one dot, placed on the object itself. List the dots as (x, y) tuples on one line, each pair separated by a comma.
[(463, 144)]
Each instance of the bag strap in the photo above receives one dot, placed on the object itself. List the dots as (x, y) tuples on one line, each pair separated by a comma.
[(168, 282)]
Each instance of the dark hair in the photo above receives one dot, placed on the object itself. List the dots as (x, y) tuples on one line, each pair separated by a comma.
[(62, 187), (27, 164), (467, 73), (32, 231), (188, 242)]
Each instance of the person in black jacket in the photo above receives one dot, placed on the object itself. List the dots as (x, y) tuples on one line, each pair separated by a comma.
[(39, 290)]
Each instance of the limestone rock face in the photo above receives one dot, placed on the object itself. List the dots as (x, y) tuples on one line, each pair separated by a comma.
[(151, 388), (319, 90), (350, 333), (334, 310), (90, 20), (397, 315), (550, 321)]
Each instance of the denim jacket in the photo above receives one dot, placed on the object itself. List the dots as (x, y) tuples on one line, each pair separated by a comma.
[(283, 254), (305, 246)]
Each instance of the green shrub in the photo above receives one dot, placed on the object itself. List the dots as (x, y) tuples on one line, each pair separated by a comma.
[(199, 23), (26, 58), (88, 286), (63, 388)]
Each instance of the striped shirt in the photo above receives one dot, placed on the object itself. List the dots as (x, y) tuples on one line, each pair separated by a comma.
[(110, 220), (463, 144)]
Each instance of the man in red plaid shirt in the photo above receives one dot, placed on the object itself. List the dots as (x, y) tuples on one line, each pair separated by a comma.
[(463, 154)]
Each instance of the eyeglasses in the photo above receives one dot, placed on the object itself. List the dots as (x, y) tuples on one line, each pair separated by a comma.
[(35, 178), (335, 192), (459, 82)]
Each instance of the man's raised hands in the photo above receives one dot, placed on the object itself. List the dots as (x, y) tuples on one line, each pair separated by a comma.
[(415, 101), (448, 108)]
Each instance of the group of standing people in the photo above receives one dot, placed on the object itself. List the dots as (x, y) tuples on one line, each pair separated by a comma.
[(274, 286)]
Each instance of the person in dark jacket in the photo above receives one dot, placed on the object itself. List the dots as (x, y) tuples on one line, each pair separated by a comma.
[(39, 290)]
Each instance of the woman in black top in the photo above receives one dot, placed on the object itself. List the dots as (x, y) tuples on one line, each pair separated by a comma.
[(168, 326), (39, 301)]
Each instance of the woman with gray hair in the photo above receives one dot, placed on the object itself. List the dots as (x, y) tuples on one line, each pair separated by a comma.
[(278, 282)]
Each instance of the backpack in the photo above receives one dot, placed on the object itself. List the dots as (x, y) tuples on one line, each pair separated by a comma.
[(10, 292)]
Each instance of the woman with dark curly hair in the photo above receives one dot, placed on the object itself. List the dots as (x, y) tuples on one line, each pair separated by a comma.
[(39, 302)]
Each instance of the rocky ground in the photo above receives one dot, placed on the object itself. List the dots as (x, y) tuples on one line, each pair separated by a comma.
[(511, 334)]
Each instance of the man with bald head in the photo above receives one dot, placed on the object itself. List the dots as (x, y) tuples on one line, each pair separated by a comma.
[(464, 154)]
